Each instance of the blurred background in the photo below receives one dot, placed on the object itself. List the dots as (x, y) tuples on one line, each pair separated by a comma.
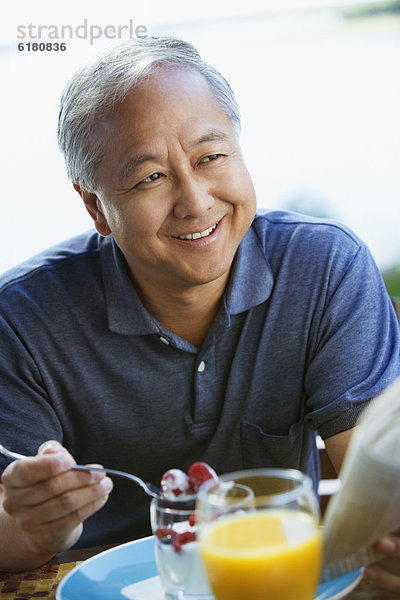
[(318, 84)]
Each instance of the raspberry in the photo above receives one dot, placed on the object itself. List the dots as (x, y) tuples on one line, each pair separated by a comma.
[(200, 472), (177, 540), (182, 538), (174, 483), (163, 533)]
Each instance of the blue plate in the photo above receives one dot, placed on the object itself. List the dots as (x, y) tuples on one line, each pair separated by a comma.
[(105, 575)]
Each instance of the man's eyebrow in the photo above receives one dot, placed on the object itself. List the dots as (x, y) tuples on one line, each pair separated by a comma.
[(133, 163), (215, 135)]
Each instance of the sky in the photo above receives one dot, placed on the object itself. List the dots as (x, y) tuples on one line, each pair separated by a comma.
[(319, 97)]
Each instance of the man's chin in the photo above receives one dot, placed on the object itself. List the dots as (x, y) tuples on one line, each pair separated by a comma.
[(204, 277)]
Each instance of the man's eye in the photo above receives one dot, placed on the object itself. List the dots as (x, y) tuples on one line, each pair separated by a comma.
[(210, 157), (152, 177)]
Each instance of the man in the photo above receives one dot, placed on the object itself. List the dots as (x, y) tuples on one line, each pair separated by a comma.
[(185, 329)]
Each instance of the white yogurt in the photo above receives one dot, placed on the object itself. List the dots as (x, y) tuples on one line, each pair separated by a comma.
[(182, 570)]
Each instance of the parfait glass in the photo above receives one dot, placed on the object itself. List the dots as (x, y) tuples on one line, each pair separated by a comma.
[(177, 551), (259, 535)]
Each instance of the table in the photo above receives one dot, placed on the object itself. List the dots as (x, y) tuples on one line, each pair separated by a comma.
[(42, 583)]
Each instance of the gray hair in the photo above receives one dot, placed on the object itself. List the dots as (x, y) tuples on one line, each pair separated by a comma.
[(93, 91)]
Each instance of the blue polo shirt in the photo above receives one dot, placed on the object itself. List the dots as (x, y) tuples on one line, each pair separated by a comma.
[(305, 336)]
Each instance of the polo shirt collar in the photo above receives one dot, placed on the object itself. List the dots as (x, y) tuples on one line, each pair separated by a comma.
[(251, 280), (250, 284), (126, 312)]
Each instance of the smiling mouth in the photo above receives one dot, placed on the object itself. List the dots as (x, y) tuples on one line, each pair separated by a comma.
[(198, 234)]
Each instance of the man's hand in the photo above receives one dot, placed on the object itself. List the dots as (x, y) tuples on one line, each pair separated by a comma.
[(48, 502), (386, 572)]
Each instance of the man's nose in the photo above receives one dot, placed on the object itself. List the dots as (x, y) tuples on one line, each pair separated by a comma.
[(193, 198)]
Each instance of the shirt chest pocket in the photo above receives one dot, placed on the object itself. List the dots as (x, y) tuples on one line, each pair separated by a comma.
[(260, 449)]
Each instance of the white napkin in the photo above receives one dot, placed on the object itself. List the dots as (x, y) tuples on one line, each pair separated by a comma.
[(148, 589)]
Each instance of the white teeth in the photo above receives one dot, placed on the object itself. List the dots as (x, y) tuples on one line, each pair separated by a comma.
[(197, 235)]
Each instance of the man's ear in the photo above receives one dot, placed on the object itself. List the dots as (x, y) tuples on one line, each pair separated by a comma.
[(94, 208)]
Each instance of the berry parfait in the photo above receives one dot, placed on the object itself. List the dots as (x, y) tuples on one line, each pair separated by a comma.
[(173, 523)]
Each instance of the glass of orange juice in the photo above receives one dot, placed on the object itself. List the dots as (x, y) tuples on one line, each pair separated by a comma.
[(259, 535)]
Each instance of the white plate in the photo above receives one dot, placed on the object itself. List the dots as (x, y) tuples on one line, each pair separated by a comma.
[(113, 573)]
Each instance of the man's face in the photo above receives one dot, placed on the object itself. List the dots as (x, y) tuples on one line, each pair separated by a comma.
[(173, 188)]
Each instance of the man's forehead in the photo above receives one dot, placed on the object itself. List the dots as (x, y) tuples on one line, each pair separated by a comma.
[(169, 87)]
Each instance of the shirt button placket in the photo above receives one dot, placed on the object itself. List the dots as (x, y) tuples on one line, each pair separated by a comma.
[(203, 400)]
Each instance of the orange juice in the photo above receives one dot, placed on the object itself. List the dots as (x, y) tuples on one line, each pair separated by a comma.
[(263, 555)]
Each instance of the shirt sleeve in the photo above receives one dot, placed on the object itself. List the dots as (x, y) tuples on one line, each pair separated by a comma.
[(355, 348), (27, 418)]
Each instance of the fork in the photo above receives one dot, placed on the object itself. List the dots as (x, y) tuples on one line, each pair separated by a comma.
[(149, 488)]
